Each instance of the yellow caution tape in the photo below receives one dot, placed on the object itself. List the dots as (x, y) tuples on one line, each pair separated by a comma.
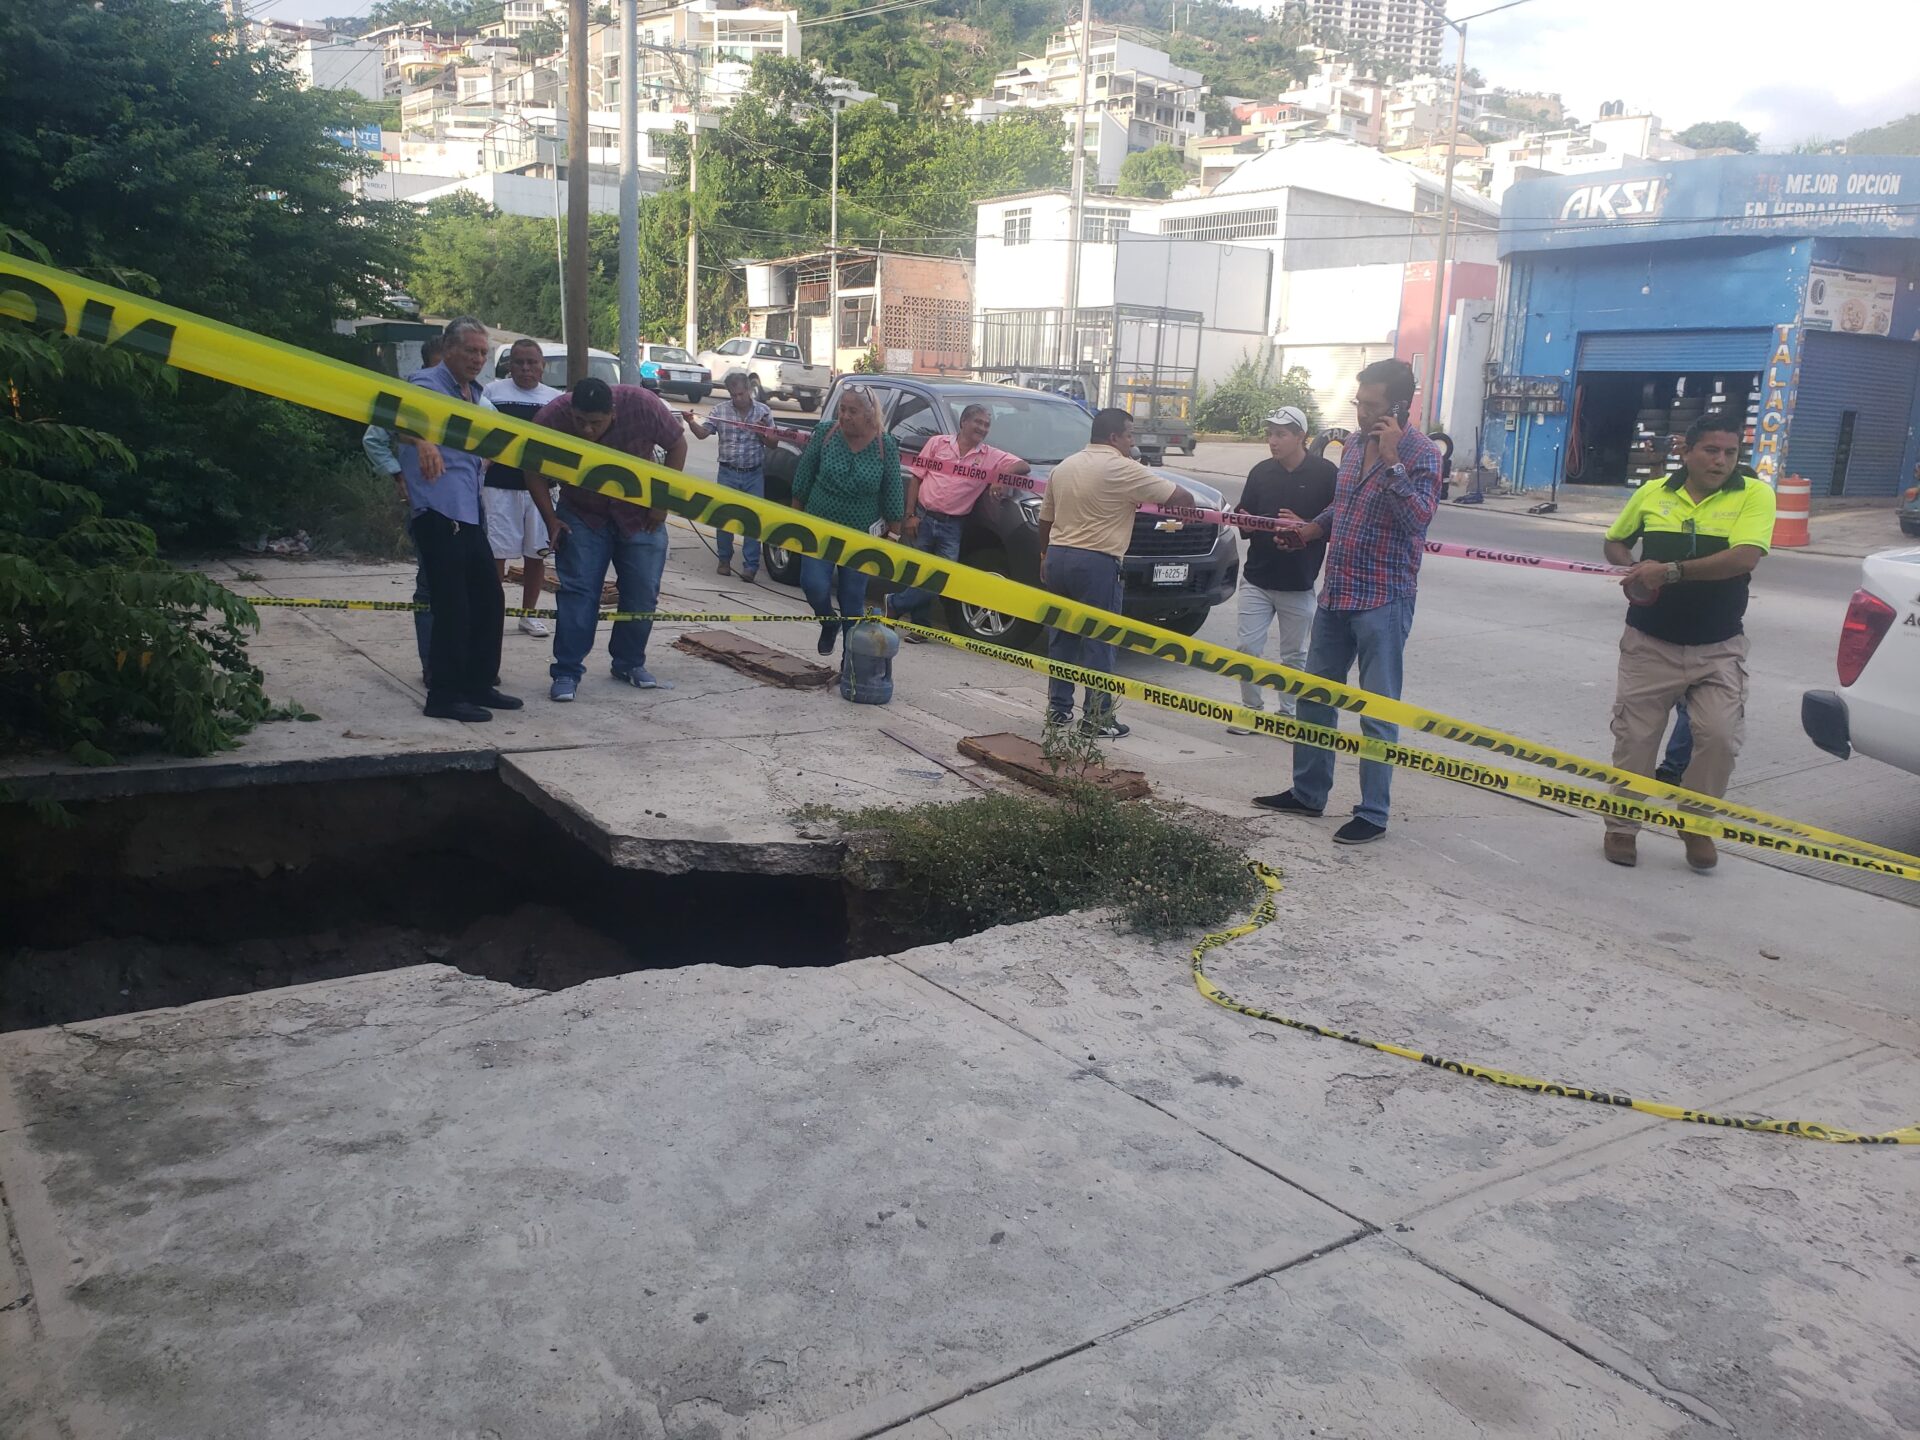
[(1462, 771), (1805, 1129), (56, 300)]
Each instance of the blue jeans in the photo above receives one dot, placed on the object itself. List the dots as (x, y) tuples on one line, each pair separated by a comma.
[(1377, 638), (1092, 578), (939, 535), (581, 568), (1680, 744), (819, 579), (751, 482)]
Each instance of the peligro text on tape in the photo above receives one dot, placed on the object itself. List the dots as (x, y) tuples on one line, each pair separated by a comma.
[(59, 301), (1264, 913), (1269, 523)]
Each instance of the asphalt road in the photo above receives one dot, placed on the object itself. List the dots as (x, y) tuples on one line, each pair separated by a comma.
[(1533, 653)]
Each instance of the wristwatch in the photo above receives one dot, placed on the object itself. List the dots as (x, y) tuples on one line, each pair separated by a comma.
[(1673, 572)]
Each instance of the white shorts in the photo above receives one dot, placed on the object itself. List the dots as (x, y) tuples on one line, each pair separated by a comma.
[(514, 527)]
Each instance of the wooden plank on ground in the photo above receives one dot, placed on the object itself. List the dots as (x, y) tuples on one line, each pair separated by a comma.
[(1021, 758), (750, 657)]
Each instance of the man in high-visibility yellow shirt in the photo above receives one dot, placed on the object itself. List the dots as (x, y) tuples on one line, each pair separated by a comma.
[(1701, 533)]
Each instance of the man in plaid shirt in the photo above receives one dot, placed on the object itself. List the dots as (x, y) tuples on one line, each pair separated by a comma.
[(743, 456), (1375, 532)]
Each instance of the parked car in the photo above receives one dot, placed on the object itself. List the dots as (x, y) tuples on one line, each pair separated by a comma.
[(1876, 710), (670, 370), (554, 372), (777, 368), (1910, 505), (1174, 571), (401, 303)]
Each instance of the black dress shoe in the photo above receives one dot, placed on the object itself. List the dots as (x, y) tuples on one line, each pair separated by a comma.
[(457, 710), (494, 700), (1286, 804)]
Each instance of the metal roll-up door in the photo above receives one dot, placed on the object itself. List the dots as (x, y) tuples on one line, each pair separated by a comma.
[(1873, 380), (1683, 351)]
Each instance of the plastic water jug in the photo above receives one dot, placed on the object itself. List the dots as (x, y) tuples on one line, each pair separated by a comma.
[(866, 663)]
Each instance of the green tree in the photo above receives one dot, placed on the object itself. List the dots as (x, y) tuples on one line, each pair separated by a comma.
[(1251, 391), (138, 137), (1154, 173), (1896, 137), (1720, 135), (103, 645)]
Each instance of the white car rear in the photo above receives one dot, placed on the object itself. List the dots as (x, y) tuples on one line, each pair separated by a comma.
[(1876, 710)]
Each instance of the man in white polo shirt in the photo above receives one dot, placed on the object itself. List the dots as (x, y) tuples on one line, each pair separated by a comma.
[(514, 527), (1086, 524)]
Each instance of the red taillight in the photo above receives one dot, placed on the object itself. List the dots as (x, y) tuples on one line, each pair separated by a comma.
[(1868, 620)]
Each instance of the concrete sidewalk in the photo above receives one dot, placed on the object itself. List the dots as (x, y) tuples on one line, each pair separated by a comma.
[(1029, 1183)]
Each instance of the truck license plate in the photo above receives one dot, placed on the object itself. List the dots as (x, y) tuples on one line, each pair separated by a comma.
[(1171, 574)]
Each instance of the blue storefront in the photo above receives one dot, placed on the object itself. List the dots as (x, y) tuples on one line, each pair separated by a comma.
[(1783, 288)]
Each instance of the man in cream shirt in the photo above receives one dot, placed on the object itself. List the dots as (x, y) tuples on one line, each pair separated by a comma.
[(1086, 525)]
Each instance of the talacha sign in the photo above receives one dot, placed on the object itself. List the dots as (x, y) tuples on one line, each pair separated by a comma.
[(1781, 384)]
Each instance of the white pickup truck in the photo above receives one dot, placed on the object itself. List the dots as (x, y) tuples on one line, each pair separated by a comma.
[(777, 368), (1876, 710)]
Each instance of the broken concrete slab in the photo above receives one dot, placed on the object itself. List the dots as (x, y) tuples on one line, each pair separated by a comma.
[(750, 657), (726, 1203), (1025, 761), (720, 804)]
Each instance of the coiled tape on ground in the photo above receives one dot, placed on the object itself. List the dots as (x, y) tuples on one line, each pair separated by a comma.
[(1803, 1129), (63, 302)]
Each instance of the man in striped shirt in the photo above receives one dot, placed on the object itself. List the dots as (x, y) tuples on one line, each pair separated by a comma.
[(1375, 531)]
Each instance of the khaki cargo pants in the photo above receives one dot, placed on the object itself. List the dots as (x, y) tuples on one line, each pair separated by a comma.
[(1654, 674)]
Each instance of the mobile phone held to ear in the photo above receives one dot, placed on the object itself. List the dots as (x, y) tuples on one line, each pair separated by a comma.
[(1403, 413)]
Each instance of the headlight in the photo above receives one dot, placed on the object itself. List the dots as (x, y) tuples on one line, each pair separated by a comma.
[(1030, 509)]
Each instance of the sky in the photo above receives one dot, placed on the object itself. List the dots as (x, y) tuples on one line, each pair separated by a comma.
[(1788, 69)]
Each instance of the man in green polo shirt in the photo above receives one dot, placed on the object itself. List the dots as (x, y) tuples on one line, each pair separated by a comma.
[(1701, 532)]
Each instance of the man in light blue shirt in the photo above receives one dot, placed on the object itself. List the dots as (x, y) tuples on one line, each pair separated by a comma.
[(449, 530)]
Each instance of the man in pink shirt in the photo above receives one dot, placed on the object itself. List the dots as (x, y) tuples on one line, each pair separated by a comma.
[(939, 501)]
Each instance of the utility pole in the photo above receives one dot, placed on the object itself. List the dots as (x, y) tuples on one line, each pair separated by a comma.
[(630, 191), (692, 338), (1078, 199), (578, 172), (1430, 388), (833, 242)]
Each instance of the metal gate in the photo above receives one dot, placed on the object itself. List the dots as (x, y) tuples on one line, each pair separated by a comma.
[(1874, 381), (1675, 351)]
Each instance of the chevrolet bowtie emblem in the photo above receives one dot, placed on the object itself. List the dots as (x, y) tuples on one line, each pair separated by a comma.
[(1170, 525)]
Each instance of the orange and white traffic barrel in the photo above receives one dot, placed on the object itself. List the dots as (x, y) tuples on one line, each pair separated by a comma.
[(1792, 505)]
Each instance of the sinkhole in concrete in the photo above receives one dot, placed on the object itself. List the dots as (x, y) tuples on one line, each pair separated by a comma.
[(167, 899)]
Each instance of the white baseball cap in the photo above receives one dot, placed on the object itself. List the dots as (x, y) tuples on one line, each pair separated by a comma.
[(1290, 415)]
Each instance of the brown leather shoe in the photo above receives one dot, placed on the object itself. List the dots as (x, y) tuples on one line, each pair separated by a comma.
[(1619, 848), (1700, 852)]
